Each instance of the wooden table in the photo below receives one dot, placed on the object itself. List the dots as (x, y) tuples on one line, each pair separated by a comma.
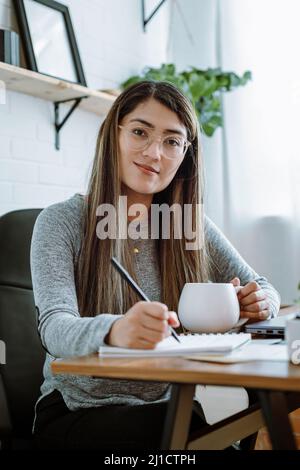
[(271, 379), (277, 385)]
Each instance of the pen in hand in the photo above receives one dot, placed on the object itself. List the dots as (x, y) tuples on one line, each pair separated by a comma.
[(137, 289)]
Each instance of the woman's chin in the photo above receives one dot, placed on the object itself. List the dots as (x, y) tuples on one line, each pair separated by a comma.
[(142, 188)]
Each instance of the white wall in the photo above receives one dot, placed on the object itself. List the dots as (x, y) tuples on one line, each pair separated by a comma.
[(112, 46)]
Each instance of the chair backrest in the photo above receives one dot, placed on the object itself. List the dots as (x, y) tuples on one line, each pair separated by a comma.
[(22, 372)]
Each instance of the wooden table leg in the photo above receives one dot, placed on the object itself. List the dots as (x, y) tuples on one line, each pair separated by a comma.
[(178, 419), (275, 412)]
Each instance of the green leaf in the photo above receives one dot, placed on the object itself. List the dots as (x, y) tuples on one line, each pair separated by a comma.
[(197, 86), (224, 81), (153, 74), (208, 73), (168, 69), (211, 86), (215, 104), (210, 122), (131, 81), (245, 78), (208, 129)]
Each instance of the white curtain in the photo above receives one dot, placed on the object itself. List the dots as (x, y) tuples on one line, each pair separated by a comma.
[(261, 136)]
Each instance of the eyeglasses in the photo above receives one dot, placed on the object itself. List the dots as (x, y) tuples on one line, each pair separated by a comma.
[(171, 146)]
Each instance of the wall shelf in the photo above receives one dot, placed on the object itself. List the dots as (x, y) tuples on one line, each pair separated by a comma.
[(55, 90)]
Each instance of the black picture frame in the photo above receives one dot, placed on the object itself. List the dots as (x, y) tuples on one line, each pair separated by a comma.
[(75, 74)]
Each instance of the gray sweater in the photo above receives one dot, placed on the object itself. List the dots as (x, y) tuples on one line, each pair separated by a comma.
[(54, 253)]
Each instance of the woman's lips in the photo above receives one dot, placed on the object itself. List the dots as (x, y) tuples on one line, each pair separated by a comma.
[(145, 170)]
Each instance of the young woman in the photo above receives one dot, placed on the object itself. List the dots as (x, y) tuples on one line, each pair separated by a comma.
[(148, 150)]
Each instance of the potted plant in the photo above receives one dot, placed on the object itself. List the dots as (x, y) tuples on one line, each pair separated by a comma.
[(202, 87)]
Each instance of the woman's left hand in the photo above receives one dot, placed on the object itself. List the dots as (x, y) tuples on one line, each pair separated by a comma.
[(252, 299)]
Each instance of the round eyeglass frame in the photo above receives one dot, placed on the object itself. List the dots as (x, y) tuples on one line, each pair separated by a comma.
[(187, 143)]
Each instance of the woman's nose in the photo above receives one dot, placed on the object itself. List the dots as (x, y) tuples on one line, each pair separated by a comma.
[(153, 150)]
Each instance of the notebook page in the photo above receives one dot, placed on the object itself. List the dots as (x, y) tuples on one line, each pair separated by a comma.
[(250, 352), (188, 344)]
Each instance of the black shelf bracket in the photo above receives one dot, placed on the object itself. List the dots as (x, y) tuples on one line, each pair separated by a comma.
[(58, 125), (146, 20)]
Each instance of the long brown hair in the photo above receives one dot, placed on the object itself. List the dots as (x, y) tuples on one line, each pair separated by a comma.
[(99, 287)]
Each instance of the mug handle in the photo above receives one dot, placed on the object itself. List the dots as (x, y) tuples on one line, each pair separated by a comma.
[(238, 288)]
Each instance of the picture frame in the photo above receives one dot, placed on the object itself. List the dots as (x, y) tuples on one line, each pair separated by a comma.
[(49, 40)]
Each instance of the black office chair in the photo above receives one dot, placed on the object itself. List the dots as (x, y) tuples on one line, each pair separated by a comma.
[(21, 375)]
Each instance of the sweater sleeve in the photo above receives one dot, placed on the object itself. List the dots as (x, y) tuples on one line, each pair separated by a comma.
[(63, 332), (227, 263)]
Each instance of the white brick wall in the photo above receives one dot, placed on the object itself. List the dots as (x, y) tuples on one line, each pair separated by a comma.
[(16, 171), (5, 147), (112, 46)]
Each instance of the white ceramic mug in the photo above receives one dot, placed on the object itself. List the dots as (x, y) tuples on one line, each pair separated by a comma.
[(208, 307), (292, 336)]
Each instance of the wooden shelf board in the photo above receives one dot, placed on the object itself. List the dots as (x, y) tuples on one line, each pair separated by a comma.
[(52, 89)]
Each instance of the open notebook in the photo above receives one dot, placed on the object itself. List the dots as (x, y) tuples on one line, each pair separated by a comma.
[(193, 343)]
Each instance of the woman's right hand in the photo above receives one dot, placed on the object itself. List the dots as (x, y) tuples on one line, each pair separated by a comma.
[(142, 326)]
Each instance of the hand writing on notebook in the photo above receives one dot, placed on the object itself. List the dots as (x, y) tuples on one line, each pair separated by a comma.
[(252, 299), (143, 326)]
